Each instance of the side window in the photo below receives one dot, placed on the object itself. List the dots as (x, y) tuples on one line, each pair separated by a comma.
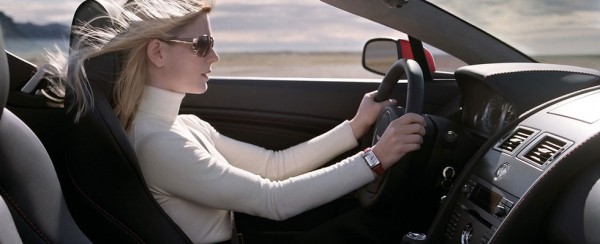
[(291, 39), (254, 39), (282, 39), (443, 61)]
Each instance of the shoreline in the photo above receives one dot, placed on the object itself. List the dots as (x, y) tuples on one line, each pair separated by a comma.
[(292, 64)]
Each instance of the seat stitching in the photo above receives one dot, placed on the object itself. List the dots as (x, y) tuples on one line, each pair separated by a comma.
[(23, 214), (98, 207)]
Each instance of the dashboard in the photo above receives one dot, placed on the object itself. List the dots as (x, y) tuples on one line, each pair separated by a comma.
[(487, 112), (509, 186), (537, 178), (493, 95)]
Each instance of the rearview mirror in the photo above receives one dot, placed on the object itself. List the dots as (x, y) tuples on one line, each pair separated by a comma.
[(380, 53)]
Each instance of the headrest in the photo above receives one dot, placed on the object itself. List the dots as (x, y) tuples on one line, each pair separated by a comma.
[(102, 70), (4, 75)]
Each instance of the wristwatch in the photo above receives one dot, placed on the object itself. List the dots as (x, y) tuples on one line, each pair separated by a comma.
[(372, 161)]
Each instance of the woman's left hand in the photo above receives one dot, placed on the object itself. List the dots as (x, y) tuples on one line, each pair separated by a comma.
[(367, 113)]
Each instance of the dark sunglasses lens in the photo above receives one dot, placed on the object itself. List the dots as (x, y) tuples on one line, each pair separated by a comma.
[(203, 45)]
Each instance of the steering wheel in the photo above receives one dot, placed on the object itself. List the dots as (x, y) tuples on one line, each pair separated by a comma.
[(387, 182)]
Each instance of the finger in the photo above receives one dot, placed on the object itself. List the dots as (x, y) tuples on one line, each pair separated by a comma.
[(400, 128), (406, 148), (371, 94), (407, 139), (412, 139), (391, 101), (416, 118), (388, 102), (421, 130), (410, 118)]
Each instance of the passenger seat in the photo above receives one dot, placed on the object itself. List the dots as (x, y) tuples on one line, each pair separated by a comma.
[(28, 182), (8, 230)]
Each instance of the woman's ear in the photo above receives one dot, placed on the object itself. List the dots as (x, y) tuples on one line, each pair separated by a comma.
[(155, 52)]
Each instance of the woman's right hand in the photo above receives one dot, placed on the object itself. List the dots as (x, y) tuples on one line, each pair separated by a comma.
[(402, 136)]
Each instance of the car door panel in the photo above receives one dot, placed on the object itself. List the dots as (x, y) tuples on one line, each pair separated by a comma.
[(278, 113)]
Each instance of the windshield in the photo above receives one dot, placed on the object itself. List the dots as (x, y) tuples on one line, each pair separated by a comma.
[(550, 31)]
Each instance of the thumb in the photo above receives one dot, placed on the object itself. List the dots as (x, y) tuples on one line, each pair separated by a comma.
[(390, 101)]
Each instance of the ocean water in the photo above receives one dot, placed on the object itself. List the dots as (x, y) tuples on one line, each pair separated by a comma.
[(34, 50)]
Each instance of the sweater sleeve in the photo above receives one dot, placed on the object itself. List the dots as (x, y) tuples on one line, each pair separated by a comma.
[(279, 165), (186, 170)]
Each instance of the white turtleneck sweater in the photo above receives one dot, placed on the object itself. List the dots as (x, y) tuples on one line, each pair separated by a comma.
[(199, 176)]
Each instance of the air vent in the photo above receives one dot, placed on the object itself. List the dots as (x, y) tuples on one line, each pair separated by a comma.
[(515, 139), (545, 150)]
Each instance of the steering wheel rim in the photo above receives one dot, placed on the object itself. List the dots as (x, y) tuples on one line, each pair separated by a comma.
[(373, 192)]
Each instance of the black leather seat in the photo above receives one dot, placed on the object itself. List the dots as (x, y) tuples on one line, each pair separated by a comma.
[(28, 183), (104, 187), (8, 230)]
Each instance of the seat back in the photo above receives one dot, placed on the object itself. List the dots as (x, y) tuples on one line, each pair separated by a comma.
[(8, 230), (28, 181), (106, 190)]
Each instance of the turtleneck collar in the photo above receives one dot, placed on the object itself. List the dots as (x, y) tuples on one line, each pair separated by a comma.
[(161, 103)]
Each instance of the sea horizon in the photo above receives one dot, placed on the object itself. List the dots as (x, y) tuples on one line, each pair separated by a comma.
[(34, 47), (340, 61)]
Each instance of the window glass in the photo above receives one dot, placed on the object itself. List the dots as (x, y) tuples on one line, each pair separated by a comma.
[(286, 38), (269, 38), (562, 32)]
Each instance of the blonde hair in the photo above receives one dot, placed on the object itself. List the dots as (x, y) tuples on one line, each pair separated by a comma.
[(135, 24)]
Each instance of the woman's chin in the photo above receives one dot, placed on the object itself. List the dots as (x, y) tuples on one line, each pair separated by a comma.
[(199, 90)]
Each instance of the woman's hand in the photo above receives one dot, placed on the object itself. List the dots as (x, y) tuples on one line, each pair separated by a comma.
[(402, 136), (367, 114)]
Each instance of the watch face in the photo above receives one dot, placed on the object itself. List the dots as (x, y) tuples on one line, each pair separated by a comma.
[(371, 159)]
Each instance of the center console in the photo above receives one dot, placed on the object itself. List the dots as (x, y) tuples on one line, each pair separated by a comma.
[(520, 161)]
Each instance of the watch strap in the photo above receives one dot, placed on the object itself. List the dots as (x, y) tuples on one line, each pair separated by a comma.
[(378, 169), (372, 161)]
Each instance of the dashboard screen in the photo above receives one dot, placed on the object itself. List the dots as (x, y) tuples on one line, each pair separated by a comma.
[(485, 198)]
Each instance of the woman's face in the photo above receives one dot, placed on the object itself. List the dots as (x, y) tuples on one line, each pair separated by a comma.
[(184, 71)]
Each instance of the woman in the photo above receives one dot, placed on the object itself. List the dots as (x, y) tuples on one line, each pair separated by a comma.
[(196, 174)]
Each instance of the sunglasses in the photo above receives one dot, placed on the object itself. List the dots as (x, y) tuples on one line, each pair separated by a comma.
[(201, 45)]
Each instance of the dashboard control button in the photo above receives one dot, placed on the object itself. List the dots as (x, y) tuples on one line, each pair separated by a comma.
[(466, 235), (500, 211), (451, 136)]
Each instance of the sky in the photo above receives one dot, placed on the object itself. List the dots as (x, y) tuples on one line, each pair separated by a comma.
[(242, 25), (545, 26), (37, 11)]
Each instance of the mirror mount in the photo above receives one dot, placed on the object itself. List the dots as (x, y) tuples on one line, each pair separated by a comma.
[(395, 3), (420, 55)]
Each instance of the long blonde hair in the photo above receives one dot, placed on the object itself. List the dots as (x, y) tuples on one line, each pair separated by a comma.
[(136, 23)]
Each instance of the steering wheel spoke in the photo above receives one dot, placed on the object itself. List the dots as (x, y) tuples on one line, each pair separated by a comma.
[(373, 192)]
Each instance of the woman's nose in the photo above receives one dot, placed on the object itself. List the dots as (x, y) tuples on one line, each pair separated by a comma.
[(212, 56)]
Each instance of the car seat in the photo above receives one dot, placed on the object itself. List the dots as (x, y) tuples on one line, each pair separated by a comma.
[(105, 188), (29, 185), (8, 230)]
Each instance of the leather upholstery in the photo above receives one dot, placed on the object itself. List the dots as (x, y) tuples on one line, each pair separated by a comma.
[(28, 182), (105, 189), (8, 230), (4, 76)]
